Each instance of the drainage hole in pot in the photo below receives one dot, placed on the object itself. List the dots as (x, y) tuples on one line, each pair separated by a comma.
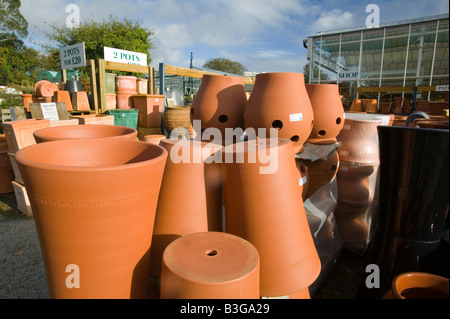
[(322, 133), (333, 168), (277, 124), (223, 119), (211, 252), (295, 138), (338, 121)]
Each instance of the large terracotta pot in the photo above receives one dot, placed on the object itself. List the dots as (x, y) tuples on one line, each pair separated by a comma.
[(279, 100), (210, 265), (150, 109), (328, 113), (84, 131), (94, 204), (182, 207), (220, 102), (321, 172), (359, 139), (266, 208), (418, 285)]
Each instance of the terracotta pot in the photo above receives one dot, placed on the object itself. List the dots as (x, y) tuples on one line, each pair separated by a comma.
[(357, 106), (328, 113), (279, 100), (155, 139), (304, 176), (252, 200), (210, 265), (126, 84), (150, 109), (385, 107), (359, 139), (142, 86), (321, 172), (214, 196), (353, 231), (422, 106), (407, 106), (418, 285), (124, 100), (80, 101), (398, 104), (356, 183), (371, 106), (94, 205), (437, 108), (399, 120), (176, 117), (182, 207), (26, 100), (220, 102), (63, 96), (45, 88), (443, 124), (19, 134), (111, 101), (83, 132)]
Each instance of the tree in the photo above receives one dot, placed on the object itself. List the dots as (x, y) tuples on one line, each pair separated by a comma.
[(12, 23), (225, 65), (112, 32)]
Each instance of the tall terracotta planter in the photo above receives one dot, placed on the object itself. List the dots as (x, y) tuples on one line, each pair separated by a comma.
[(182, 205), (328, 113), (279, 100), (150, 109), (84, 131), (210, 265), (266, 208), (94, 204), (219, 102), (125, 88), (418, 285)]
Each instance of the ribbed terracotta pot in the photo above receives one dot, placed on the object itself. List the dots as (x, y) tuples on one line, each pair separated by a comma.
[(210, 265), (418, 285), (94, 205), (328, 113), (177, 117), (45, 88), (219, 102), (359, 138), (182, 207), (321, 172), (266, 208), (84, 131), (279, 100)]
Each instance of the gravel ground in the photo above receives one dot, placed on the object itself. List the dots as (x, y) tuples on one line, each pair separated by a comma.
[(22, 274)]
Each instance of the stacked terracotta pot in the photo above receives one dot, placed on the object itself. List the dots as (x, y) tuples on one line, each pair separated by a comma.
[(150, 114), (357, 180)]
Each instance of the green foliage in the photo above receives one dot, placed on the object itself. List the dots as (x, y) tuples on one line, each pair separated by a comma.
[(225, 65), (112, 32), (12, 23), (9, 99)]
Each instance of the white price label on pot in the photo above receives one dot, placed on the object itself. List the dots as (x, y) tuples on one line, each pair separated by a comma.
[(49, 111), (296, 117), (347, 127), (302, 181)]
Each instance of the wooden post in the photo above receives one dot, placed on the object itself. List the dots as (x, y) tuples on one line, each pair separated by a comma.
[(101, 80), (151, 80), (63, 76), (91, 64)]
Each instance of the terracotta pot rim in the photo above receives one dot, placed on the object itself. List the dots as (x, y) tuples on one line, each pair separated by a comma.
[(397, 281), (321, 85), (126, 77), (240, 147), (21, 155), (127, 131), (148, 95)]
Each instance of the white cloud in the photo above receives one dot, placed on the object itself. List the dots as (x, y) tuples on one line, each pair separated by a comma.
[(333, 19)]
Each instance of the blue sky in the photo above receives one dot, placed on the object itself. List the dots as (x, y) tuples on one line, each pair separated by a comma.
[(263, 35)]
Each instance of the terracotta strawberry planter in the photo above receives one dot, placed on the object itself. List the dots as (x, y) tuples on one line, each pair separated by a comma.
[(83, 132), (304, 176), (328, 113), (273, 221), (220, 102), (94, 205), (182, 207), (359, 139), (210, 265), (418, 285), (279, 100), (150, 109)]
